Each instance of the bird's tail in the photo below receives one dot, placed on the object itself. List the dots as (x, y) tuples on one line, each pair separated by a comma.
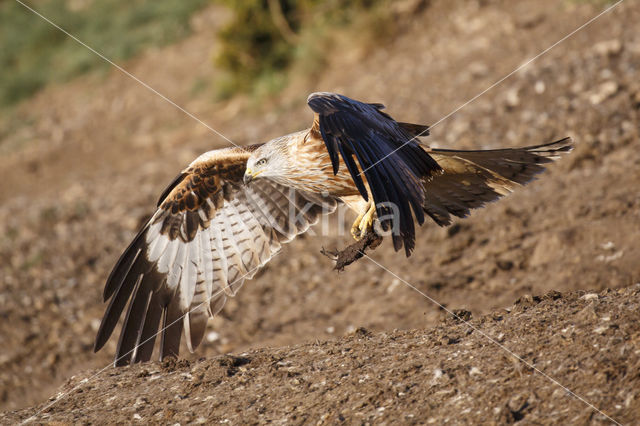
[(470, 179)]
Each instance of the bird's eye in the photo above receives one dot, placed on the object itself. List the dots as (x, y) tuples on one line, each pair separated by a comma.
[(261, 162)]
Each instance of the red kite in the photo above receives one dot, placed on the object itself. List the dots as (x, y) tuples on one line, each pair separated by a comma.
[(229, 211)]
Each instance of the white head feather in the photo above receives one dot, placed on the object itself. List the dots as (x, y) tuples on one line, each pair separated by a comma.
[(273, 159)]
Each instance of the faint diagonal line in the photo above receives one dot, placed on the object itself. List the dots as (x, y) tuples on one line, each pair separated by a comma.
[(494, 341), (86, 380), (607, 10), (127, 73)]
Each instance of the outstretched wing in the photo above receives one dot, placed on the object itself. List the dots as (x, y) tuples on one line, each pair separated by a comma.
[(472, 178), (384, 150), (209, 233)]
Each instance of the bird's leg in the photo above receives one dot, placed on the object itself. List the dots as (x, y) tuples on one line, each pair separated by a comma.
[(364, 221), (355, 228), (367, 221)]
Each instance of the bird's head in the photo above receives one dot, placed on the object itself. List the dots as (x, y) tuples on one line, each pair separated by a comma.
[(268, 161)]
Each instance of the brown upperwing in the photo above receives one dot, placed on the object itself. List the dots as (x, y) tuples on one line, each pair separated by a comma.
[(212, 179)]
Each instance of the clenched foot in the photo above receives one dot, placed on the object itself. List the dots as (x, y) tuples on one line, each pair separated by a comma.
[(364, 222)]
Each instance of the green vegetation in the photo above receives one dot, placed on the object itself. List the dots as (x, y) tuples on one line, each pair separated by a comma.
[(262, 43), (33, 53), (267, 37)]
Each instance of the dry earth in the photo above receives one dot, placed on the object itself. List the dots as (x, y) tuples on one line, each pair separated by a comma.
[(83, 163), (451, 373)]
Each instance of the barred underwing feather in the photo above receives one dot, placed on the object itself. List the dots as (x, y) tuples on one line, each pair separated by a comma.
[(235, 267), (175, 271), (216, 302), (207, 262), (197, 314), (246, 239), (243, 240), (300, 221), (257, 206), (258, 201), (157, 243), (274, 212), (260, 238), (166, 260), (189, 273), (219, 258)]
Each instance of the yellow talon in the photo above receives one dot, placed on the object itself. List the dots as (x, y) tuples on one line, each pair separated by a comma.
[(367, 221), (355, 228), (364, 222)]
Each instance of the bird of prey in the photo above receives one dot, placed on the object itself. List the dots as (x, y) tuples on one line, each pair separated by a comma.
[(230, 210)]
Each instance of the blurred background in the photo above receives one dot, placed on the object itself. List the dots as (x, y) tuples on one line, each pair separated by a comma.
[(85, 150)]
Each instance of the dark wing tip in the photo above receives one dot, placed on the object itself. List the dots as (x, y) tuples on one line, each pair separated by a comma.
[(552, 150), (123, 284), (562, 145), (565, 144)]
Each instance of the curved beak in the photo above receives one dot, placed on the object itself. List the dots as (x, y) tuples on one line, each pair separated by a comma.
[(248, 176)]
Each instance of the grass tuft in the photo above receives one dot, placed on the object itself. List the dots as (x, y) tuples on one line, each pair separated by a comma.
[(268, 38), (33, 53)]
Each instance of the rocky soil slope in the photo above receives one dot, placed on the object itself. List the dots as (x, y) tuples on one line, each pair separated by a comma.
[(452, 373)]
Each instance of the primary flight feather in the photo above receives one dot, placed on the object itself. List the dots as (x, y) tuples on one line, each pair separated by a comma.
[(227, 214)]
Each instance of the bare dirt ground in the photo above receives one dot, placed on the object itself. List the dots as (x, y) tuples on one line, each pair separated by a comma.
[(83, 163), (451, 373)]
